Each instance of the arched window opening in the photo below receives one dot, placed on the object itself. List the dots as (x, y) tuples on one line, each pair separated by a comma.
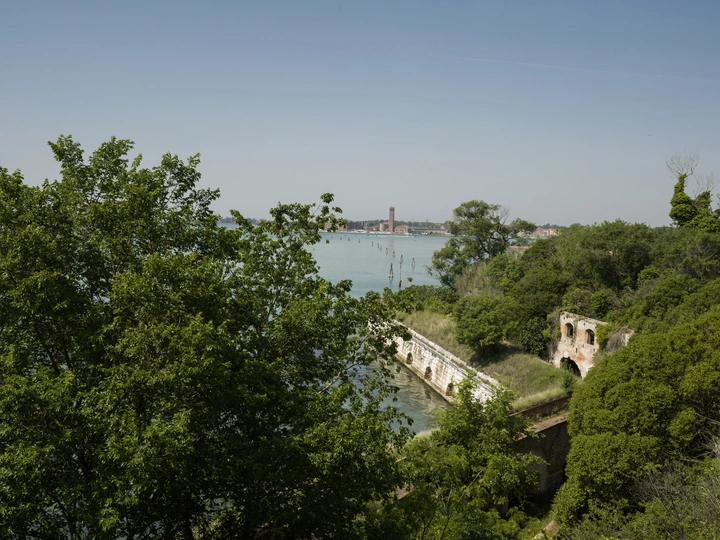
[(408, 360), (428, 373), (590, 337), (569, 330), (450, 389)]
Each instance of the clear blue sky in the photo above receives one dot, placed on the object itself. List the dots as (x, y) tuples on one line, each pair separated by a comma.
[(563, 111)]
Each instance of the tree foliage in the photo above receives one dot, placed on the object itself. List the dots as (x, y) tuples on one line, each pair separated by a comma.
[(163, 376), (694, 213), (483, 322), (639, 409), (680, 501), (458, 476), (481, 231)]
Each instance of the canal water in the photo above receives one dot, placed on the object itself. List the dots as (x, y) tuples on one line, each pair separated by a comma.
[(365, 259)]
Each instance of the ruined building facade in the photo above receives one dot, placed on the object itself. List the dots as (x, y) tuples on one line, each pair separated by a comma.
[(578, 343)]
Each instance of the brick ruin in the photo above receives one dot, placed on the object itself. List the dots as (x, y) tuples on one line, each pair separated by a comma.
[(578, 343)]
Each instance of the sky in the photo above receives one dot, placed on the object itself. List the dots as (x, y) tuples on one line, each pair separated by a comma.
[(563, 111)]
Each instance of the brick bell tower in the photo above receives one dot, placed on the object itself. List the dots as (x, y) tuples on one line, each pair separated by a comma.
[(391, 221)]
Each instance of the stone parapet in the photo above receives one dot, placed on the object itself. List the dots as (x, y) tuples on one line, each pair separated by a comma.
[(440, 369)]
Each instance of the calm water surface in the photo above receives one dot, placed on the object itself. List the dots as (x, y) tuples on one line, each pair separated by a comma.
[(365, 260)]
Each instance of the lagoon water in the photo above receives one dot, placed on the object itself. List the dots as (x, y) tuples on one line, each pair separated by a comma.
[(365, 260)]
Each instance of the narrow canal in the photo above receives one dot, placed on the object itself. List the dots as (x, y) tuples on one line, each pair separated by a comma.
[(365, 259)]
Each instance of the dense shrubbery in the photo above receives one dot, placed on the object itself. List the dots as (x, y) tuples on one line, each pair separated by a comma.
[(645, 407), (165, 377), (626, 274), (461, 474)]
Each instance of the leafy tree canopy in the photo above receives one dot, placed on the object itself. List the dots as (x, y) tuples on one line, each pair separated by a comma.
[(652, 402), (483, 321), (693, 213), (685, 211), (481, 231), (459, 475), (163, 376)]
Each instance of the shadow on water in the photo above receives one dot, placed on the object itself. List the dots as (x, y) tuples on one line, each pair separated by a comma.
[(417, 400), (414, 397)]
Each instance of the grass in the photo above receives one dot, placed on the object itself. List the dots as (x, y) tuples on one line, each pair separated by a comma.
[(439, 329), (534, 379)]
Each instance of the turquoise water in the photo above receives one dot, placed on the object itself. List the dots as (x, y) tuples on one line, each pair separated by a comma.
[(365, 260)]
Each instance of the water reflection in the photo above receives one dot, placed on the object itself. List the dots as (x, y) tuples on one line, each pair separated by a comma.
[(417, 400)]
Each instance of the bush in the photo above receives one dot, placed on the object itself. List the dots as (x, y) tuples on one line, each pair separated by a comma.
[(532, 336), (482, 321)]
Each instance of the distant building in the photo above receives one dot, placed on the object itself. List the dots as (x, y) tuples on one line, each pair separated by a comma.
[(543, 233), (391, 220), (403, 229)]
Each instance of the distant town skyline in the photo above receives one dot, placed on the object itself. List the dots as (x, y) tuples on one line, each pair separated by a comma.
[(564, 112)]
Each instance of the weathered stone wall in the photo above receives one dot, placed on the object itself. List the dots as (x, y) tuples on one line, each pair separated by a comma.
[(440, 369), (546, 408), (552, 445), (446, 371), (579, 346)]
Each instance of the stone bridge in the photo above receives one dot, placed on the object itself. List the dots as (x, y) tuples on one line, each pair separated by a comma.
[(551, 443), (440, 369)]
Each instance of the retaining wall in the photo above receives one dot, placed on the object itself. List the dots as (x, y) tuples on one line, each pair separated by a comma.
[(440, 369)]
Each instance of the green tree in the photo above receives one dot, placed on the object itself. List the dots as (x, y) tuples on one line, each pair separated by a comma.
[(684, 210), (460, 474), (482, 322), (163, 376), (640, 408), (481, 231), (681, 501)]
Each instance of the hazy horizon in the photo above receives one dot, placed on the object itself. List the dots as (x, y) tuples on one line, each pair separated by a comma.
[(563, 112)]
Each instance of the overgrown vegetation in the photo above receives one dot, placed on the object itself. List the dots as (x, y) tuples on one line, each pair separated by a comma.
[(462, 475), (533, 379), (650, 407), (165, 377), (162, 376)]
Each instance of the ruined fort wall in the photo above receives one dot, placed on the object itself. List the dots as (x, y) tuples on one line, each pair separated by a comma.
[(440, 369), (579, 346)]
